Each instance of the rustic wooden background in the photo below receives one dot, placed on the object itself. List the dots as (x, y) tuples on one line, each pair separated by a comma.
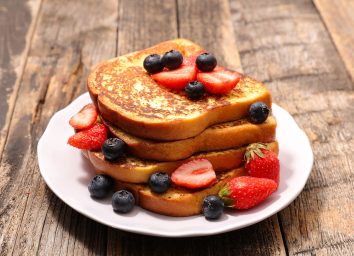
[(302, 50)]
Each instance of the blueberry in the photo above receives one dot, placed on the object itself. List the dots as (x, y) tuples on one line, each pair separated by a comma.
[(258, 112), (159, 182), (113, 149), (172, 59), (100, 186), (212, 207), (153, 64), (206, 62), (123, 201), (195, 90)]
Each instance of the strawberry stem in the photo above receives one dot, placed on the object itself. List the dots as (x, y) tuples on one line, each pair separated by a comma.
[(253, 149)]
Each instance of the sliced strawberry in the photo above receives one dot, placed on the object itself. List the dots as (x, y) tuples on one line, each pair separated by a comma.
[(219, 81), (85, 118), (190, 60), (91, 138), (177, 79), (194, 174), (218, 68)]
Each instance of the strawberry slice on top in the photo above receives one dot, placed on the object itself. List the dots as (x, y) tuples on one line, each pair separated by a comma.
[(91, 138), (219, 81), (178, 78), (194, 174), (86, 117)]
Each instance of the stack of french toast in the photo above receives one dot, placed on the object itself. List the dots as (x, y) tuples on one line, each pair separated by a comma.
[(163, 129)]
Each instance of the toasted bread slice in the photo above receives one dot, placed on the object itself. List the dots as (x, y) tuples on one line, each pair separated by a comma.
[(217, 137), (130, 99), (134, 170), (176, 201)]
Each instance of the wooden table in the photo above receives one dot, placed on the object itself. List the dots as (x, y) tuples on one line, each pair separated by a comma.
[(302, 50)]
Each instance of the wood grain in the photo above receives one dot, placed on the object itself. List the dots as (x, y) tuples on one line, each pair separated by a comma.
[(69, 39), (145, 23), (209, 24), (295, 57), (339, 19), (266, 236), (17, 22), (285, 44), (248, 241)]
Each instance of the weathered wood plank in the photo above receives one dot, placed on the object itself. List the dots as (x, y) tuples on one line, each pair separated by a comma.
[(209, 24), (145, 23), (294, 55), (17, 22), (71, 36), (152, 22), (248, 241), (339, 19)]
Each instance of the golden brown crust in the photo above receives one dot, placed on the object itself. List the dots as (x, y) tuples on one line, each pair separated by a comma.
[(134, 170), (176, 202), (217, 137), (127, 97)]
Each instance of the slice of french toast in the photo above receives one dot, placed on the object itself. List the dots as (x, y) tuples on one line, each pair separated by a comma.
[(177, 201), (130, 99), (217, 137), (135, 170)]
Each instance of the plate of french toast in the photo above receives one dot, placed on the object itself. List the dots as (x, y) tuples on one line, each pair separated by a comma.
[(168, 142)]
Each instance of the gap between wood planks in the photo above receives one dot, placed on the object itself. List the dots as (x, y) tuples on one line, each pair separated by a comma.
[(337, 17), (307, 77), (43, 113), (18, 81), (57, 60)]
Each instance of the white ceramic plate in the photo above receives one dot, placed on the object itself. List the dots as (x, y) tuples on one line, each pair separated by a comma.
[(67, 173)]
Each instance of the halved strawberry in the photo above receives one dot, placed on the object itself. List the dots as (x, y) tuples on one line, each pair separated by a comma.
[(177, 79), (219, 81), (194, 174), (91, 138), (85, 118)]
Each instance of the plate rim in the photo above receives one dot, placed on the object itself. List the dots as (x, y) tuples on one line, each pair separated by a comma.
[(161, 233)]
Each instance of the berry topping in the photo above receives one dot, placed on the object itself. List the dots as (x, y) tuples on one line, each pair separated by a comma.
[(245, 192), (212, 207), (159, 182), (177, 79), (100, 186), (262, 162), (123, 201), (85, 118), (113, 149), (219, 81), (91, 138), (194, 174), (206, 62), (194, 90), (258, 112), (172, 59), (153, 63)]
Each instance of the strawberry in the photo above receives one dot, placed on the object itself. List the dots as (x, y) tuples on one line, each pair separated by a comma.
[(219, 81), (85, 118), (262, 162), (245, 192), (178, 78), (91, 138), (194, 174)]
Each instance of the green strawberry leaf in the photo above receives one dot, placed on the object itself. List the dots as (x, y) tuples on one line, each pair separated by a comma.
[(253, 149), (258, 152), (224, 192), (228, 202)]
